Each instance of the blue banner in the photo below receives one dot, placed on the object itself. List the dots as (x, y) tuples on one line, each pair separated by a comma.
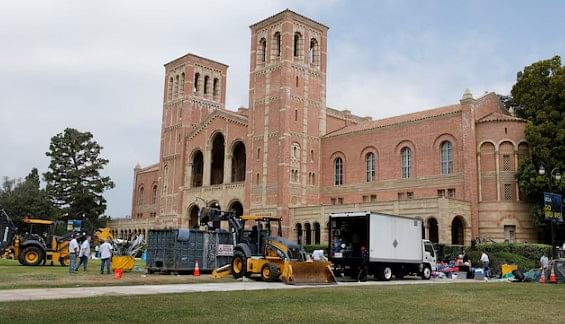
[(553, 207)]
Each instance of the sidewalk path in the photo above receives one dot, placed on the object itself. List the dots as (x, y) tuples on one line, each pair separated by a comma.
[(63, 293)]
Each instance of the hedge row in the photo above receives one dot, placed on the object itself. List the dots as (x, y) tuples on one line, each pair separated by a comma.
[(525, 255)]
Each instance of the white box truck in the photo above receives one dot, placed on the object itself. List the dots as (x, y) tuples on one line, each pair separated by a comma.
[(382, 245)]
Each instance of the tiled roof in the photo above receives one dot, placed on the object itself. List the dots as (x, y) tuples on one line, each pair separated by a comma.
[(151, 168), (495, 116), (398, 120)]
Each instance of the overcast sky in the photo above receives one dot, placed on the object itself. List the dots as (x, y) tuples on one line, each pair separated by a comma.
[(98, 65)]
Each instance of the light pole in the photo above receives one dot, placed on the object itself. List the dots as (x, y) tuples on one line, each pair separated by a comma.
[(556, 176)]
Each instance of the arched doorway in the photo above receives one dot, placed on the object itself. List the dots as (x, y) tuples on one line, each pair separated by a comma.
[(298, 230), (433, 230), (217, 163), (457, 231), (238, 163), (308, 230), (316, 233), (193, 216), (237, 207)]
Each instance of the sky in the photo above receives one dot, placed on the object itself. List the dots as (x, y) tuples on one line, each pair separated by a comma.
[(98, 65)]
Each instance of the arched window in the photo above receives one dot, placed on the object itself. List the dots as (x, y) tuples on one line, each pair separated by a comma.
[(446, 158), (197, 169), (217, 163), (308, 232), (297, 48), (277, 45), (338, 164), (314, 54), (196, 82), (262, 51), (177, 86), (457, 231), (216, 88), (141, 198), (238, 163), (154, 195), (170, 89), (206, 84), (406, 164), (370, 166), (181, 84)]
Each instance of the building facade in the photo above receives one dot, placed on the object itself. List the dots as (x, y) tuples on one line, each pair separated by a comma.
[(290, 155)]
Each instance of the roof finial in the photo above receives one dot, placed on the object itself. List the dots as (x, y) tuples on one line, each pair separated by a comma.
[(467, 95)]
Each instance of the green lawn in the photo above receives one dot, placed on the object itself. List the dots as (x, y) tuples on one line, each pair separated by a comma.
[(453, 303), (15, 276)]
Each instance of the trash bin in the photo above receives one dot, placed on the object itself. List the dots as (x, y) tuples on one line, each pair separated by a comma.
[(118, 273)]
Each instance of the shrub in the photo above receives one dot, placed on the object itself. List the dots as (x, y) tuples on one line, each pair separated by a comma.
[(525, 255)]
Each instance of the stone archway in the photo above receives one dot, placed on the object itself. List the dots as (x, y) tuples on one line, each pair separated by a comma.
[(193, 212), (298, 230), (237, 207)]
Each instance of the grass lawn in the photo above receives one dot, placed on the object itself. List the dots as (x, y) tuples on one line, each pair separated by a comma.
[(15, 276), (454, 303)]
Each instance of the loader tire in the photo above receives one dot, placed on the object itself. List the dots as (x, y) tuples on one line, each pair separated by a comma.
[(31, 256), (239, 265), (270, 272)]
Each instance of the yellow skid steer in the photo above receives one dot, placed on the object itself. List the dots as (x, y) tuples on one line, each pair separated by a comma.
[(273, 257)]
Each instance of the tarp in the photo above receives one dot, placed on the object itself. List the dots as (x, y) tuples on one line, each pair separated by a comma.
[(125, 263)]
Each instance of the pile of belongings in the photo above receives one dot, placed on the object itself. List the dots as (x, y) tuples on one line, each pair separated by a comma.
[(127, 248)]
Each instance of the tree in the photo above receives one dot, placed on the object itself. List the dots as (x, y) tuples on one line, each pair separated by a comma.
[(73, 180), (22, 198), (539, 97)]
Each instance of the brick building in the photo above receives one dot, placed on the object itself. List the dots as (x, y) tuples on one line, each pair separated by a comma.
[(289, 154)]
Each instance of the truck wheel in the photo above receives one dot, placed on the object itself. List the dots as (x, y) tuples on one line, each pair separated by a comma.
[(31, 256), (426, 273), (270, 272), (385, 273), (238, 265)]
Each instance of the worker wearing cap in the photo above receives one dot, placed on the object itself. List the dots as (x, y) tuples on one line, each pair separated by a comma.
[(73, 252)]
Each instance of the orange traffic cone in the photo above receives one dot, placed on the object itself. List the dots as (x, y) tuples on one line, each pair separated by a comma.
[(552, 277), (542, 277), (196, 269)]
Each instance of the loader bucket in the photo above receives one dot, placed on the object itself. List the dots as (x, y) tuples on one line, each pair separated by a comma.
[(307, 273)]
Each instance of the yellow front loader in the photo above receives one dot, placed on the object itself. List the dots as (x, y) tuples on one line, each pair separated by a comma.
[(273, 257)]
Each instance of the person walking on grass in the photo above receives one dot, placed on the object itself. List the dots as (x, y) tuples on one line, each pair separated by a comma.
[(105, 256), (485, 261), (84, 254), (544, 262), (73, 252)]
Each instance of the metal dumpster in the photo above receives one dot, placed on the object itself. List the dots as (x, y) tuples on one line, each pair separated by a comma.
[(176, 250)]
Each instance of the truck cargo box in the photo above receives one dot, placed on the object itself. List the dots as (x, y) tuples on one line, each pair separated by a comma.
[(176, 250)]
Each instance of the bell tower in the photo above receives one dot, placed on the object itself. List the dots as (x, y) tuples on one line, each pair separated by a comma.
[(287, 113)]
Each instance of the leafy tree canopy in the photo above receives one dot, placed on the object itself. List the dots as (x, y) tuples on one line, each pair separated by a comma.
[(73, 180), (539, 97), (26, 198)]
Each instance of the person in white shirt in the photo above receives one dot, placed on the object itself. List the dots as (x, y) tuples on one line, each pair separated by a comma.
[(106, 256), (544, 262), (73, 252), (84, 254), (485, 261)]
